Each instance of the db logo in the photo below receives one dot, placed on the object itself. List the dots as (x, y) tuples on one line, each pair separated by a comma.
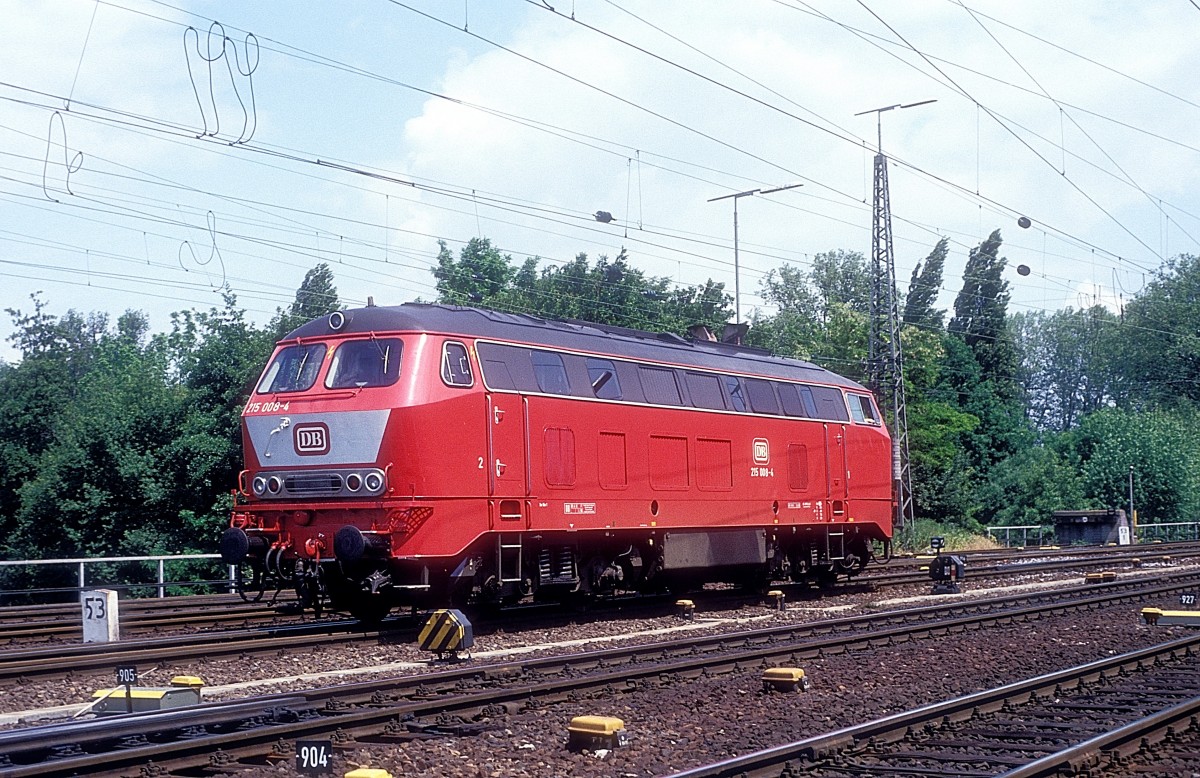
[(762, 452), (311, 439)]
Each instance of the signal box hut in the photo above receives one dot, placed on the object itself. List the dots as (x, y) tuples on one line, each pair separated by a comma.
[(1093, 528)]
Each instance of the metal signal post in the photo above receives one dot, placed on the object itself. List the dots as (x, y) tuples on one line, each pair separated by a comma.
[(737, 288), (885, 360)]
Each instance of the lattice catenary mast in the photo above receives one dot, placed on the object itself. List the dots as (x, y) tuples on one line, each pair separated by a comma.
[(885, 358)]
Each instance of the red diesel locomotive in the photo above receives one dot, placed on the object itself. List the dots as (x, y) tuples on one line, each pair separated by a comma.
[(433, 455)]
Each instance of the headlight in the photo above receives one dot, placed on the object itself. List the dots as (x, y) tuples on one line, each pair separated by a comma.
[(354, 482), (259, 485), (373, 481), (274, 484)]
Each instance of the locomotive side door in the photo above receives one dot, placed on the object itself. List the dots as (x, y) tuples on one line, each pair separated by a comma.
[(508, 446), (836, 479)]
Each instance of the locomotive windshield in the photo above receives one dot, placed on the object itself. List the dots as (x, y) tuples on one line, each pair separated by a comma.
[(294, 369), (360, 363)]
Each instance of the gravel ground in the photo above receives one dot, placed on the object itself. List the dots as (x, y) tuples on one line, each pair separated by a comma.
[(708, 720), (690, 723), (229, 677)]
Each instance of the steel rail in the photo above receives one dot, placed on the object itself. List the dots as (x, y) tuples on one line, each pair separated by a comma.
[(1094, 751), (22, 665), (891, 728), (617, 669)]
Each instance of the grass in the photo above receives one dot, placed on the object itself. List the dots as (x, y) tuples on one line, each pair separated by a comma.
[(915, 538)]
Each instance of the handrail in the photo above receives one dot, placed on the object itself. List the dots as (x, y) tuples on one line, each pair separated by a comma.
[(82, 562), (1024, 528)]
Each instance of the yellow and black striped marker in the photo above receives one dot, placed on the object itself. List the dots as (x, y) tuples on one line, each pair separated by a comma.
[(446, 631)]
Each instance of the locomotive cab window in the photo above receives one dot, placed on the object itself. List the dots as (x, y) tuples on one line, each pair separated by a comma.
[(456, 367), (830, 403), (549, 371), (294, 369), (363, 363), (862, 409), (603, 375)]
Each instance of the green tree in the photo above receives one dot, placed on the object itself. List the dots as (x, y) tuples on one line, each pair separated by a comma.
[(923, 289), (104, 473), (1161, 448), (1160, 339), (1027, 487), (840, 278), (979, 373), (822, 314), (1067, 363), (942, 474), (113, 442), (316, 297), (479, 276), (605, 292), (980, 312)]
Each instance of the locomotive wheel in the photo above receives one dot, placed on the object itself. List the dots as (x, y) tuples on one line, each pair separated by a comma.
[(860, 554), (370, 608), (257, 586), (826, 577)]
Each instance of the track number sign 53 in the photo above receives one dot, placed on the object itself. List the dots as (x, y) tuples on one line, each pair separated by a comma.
[(101, 623)]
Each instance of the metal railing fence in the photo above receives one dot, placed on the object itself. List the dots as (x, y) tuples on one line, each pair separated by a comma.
[(1169, 531), (161, 584), (1023, 532)]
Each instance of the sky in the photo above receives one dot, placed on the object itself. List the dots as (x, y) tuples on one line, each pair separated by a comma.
[(153, 153)]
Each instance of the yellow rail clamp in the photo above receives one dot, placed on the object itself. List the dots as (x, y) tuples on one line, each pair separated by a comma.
[(1162, 618), (776, 597), (687, 609), (596, 732), (447, 631), (1135, 562), (1094, 578), (1166, 560), (784, 679), (368, 772), (1108, 575), (190, 681)]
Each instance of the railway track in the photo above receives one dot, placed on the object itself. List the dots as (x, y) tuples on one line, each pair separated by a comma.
[(59, 624), (1080, 719), (990, 565), (19, 666), (466, 700)]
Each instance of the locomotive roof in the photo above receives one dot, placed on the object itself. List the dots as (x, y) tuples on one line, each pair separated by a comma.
[(568, 334)]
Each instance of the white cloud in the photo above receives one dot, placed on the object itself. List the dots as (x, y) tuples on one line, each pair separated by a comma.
[(645, 169)]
